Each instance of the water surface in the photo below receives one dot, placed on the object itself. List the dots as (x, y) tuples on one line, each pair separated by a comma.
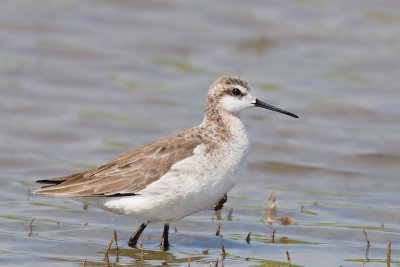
[(84, 81)]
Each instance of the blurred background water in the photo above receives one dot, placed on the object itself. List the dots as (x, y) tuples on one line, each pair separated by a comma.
[(84, 81)]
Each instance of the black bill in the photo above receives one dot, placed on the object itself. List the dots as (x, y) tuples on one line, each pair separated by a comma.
[(261, 104)]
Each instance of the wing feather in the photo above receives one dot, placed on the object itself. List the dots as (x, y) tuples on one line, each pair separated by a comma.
[(130, 172)]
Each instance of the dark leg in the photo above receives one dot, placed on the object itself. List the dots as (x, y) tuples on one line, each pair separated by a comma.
[(221, 203), (164, 241), (134, 238)]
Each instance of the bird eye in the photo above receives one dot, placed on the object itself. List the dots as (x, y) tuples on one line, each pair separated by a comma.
[(236, 91)]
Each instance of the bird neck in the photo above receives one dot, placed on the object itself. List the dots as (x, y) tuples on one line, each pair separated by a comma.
[(222, 123)]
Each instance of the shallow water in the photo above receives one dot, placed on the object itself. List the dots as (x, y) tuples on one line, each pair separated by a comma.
[(84, 81)]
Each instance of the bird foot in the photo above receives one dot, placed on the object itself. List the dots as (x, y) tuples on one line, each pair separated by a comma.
[(164, 244)]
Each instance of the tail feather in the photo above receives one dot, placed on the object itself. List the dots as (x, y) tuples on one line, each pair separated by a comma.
[(55, 181)]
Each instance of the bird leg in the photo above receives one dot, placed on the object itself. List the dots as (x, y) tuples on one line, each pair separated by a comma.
[(134, 238), (221, 203), (164, 240)]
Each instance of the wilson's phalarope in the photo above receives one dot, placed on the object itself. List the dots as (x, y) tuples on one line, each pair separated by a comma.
[(175, 176)]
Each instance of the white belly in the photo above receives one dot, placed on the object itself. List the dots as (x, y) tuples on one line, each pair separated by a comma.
[(192, 185), (170, 205)]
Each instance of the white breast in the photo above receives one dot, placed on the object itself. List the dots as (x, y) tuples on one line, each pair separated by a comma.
[(192, 184)]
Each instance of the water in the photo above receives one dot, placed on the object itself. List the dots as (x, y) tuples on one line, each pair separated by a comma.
[(84, 81)]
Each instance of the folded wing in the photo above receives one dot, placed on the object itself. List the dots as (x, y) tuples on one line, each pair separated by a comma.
[(128, 173)]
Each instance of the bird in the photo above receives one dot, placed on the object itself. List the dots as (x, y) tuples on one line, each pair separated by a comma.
[(176, 176)]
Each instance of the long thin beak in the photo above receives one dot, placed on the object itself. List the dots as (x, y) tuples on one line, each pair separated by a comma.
[(261, 104)]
